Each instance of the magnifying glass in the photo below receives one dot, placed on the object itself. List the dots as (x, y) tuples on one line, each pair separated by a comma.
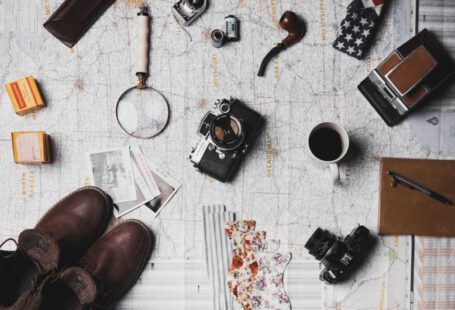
[(142, 111)]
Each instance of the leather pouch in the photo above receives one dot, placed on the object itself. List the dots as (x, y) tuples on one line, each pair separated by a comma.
[(73, 19)]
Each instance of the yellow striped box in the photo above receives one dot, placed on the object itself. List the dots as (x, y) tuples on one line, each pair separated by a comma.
[(24, 95), (31, 147)]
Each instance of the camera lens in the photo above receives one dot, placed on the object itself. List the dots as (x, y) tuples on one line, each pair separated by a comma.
[(195, 4), (320, 242), (226, 132)]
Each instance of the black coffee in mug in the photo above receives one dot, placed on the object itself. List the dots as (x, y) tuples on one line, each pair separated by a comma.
[(326, 144)]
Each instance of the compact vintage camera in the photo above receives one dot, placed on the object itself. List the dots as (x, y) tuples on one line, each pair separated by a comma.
[(186, 11), (339, 256), (228, 131)]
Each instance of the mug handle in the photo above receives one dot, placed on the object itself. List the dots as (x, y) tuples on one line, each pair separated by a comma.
[(335, 173)]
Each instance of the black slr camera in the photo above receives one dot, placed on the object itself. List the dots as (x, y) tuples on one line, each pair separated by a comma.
[(228, 131), (339, 256), (186, 11)]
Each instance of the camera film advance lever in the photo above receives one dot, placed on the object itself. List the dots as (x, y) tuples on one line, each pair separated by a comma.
[(296, 30)]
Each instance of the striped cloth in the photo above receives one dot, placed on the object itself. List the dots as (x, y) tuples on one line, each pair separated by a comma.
[(182, 284), (218, 253)]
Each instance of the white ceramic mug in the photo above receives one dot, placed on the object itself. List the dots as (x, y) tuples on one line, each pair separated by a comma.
[(332, 163)]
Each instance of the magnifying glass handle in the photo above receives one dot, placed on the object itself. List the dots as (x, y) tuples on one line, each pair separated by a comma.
[(143, 28)]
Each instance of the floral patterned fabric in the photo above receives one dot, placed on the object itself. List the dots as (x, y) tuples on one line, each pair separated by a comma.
[(246, 242), (268, 292), (256, 271)]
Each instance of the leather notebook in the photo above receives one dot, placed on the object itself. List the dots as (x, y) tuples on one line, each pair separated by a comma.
[(403, 211)]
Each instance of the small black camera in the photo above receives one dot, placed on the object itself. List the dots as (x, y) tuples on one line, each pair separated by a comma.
[(228, 131), (339, 256), (186, 11)]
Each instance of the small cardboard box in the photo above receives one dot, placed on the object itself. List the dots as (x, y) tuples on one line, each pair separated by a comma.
[(24, 95), (31, 147)]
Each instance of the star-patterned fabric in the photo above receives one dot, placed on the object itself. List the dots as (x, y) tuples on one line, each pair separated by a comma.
[(358, 28)]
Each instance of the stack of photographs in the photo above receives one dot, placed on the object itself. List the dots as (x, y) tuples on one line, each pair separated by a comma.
[(131, 180)]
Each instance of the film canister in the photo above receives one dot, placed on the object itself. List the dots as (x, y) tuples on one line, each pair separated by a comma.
[(232, 28), (217, 37)]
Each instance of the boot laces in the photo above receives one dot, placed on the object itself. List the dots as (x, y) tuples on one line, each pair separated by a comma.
[(8, 240)]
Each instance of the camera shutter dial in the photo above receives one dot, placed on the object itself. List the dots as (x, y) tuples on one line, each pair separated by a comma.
[(225, 108)]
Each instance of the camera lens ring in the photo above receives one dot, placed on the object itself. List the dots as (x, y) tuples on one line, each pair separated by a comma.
[(320, 242), (226, 132)]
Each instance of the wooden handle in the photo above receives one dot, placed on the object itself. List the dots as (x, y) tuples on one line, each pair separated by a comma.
[(143, 29)]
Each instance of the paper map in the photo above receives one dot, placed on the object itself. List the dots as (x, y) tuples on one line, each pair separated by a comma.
[(435, 123), (277, 186)]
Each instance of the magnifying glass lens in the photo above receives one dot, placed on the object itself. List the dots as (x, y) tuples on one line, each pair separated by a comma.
[(142, 113)]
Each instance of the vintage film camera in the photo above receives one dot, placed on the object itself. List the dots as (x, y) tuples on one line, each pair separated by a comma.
[(228, 131), (186, 11), (339, 256), (408, 77)]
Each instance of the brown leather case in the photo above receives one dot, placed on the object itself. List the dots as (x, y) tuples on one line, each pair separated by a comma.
[(408, 212), (73, 18), (412, 70)]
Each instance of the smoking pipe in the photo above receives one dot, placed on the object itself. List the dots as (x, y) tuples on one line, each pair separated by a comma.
[(296, 30)]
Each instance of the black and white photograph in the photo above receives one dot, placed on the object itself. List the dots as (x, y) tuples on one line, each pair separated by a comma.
[(146, 186), (112, 171), (167, 185)]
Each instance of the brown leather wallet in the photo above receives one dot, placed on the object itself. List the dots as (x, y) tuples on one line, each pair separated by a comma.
[(73, 18)]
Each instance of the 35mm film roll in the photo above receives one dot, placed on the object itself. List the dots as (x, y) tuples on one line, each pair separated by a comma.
[(232, 28)]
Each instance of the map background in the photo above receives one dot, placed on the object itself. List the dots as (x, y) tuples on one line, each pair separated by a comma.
[(277, 186)]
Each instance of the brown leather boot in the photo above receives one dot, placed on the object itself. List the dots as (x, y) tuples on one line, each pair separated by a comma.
[(61, 236), (104, 274)]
